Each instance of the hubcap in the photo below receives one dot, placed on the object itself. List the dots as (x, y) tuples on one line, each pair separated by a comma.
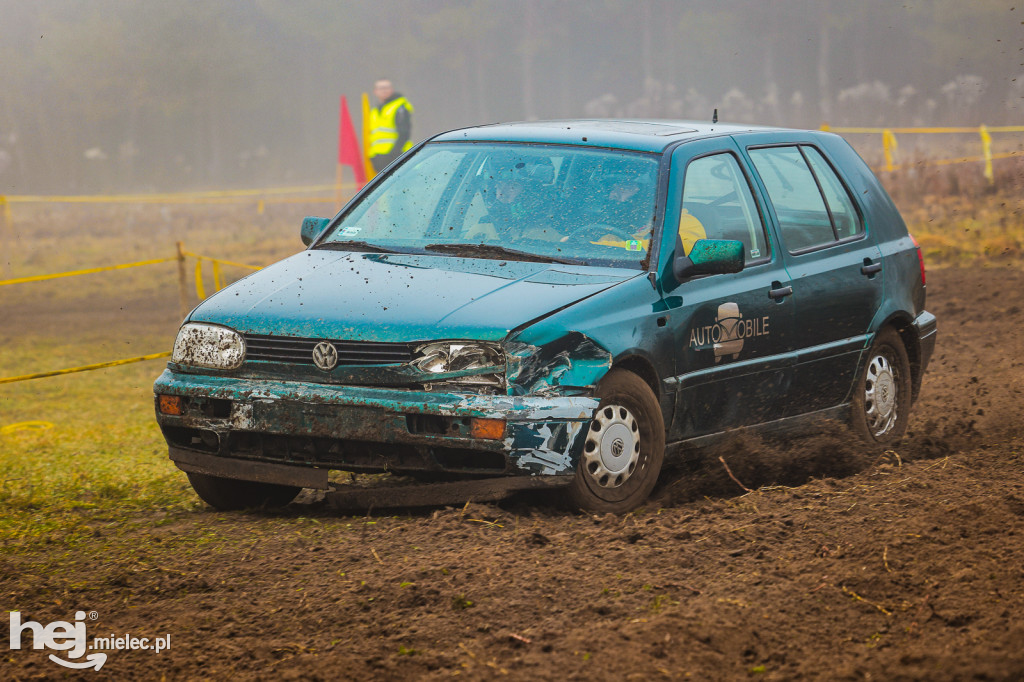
[(880, 396), (612, 448)]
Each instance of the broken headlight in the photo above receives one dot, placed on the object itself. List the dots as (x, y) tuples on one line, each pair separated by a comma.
[(465, 363), (208, 345)]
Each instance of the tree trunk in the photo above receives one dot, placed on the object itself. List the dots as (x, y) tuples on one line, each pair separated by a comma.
[(529, 46), (824, 84)]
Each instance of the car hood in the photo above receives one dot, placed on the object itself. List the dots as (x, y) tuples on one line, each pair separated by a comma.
[(399, 297)]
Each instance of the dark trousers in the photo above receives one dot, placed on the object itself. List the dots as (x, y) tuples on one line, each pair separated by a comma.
[(381, 161)]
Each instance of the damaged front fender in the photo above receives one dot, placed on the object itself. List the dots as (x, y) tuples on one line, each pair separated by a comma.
[(548, 448), (569, 365)]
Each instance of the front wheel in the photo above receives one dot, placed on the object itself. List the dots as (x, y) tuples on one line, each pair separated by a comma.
[(227, 494), (882, 397), (624, 448)]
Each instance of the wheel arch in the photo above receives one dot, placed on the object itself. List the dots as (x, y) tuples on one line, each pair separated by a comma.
[(644, 368), (903, 325)]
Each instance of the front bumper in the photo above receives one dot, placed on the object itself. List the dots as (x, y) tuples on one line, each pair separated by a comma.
[(357, 428)]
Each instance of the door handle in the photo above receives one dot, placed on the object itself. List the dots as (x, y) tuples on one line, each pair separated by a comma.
[(870, 269), (780, 293)]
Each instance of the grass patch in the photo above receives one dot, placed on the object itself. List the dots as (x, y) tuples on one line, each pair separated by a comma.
[(958, 216), (956, 230), (91, 450)]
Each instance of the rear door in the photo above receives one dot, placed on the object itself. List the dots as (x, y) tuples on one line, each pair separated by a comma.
[(835, 265), (733, 332)]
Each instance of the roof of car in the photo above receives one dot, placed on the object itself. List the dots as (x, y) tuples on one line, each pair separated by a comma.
[(634, 134)]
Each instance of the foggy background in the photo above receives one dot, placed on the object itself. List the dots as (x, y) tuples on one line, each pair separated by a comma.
[(128, 96)]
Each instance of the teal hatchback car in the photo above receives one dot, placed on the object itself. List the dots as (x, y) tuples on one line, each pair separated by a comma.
[(557, 304)]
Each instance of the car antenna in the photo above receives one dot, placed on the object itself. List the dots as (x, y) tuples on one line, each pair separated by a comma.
[(714, 117)]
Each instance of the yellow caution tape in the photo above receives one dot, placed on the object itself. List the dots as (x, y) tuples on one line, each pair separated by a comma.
[(889, 145), (923, 131), (217, 276), (221, 260), (84, 368), (26, 426), (178, 197), (986, 151), (200, 291), (39, 278), (218, 280), (299, 200), (947, 162)]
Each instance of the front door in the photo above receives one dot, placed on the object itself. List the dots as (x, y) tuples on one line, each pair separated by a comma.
[(733, 332)]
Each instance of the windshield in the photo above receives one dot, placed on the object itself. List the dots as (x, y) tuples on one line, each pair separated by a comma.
[(529, 202)]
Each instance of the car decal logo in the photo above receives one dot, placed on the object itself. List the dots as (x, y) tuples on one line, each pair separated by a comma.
[(325, 356), (730, 342), (727, 335)]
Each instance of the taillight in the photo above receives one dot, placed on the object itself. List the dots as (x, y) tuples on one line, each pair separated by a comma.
[(920, 257)]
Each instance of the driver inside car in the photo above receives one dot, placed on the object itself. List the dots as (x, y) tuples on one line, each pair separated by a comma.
[(626, 206), (626, 213), (517, 208)]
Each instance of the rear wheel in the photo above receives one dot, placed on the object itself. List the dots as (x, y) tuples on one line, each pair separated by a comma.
[(881, 400), (624, 447), (227, 494)]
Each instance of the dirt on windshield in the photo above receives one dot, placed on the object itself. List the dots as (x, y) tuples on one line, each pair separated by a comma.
[(841, 564)]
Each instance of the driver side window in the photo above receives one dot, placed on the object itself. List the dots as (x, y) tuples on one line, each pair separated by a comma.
[(718, 204)]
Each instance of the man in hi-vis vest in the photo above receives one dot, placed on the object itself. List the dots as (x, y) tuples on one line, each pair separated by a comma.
[(390, 125)]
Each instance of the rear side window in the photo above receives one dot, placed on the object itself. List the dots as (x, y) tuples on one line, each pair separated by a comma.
[(840, 206), (812, 205)]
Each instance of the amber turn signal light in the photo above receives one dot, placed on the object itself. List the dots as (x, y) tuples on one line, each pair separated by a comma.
[(171, 404), (489, 429)]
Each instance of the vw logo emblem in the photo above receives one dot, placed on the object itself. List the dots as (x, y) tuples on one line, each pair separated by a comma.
[(325, 356), (617, 447)]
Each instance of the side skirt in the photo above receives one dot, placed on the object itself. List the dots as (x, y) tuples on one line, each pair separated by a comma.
[(800, 425)]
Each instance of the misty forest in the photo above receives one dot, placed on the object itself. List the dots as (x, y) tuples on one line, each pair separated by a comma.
[(117, 96)]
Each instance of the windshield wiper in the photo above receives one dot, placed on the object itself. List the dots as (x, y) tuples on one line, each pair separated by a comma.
[(495, 251), (356, 246)]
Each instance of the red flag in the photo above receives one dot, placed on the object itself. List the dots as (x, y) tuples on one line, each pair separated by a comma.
[(348, 145)]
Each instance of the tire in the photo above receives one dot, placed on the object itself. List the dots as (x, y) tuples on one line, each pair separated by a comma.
[(882, 396), (624, 448), (228, 494)]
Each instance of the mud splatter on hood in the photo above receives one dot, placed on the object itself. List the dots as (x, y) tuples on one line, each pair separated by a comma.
[(390, 297)]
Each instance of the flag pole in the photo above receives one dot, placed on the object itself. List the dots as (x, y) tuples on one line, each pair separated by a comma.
[(366, 137)]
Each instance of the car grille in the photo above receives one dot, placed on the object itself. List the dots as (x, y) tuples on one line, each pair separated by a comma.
[(296, 351)]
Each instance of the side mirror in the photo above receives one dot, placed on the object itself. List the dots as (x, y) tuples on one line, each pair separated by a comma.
[(709, 257), (312, 227)]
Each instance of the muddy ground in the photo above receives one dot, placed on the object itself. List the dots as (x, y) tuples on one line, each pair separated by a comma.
[(844, 564)]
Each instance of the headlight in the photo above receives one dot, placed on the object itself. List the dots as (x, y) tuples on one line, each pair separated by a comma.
[(463, 362), (208, 345)]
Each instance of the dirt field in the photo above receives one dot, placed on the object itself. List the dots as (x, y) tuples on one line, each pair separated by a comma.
[(844, 564)]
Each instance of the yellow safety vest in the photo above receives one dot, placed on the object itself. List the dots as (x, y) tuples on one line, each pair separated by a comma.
[(383, 132)]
